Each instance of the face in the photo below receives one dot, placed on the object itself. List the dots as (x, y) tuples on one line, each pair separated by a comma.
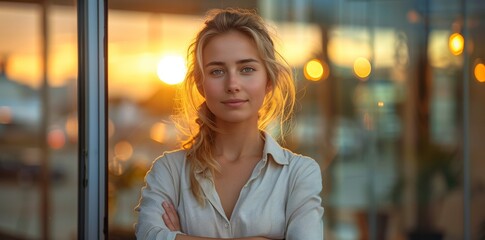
[(235, 80)]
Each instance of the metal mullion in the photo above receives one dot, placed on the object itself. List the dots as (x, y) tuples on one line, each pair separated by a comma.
[(92, 100)]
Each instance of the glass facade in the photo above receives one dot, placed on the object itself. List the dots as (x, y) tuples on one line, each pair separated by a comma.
[(390, 104), (38, 121)]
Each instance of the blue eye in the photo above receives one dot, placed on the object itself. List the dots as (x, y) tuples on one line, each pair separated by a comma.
[(217, 72), (248, 70)]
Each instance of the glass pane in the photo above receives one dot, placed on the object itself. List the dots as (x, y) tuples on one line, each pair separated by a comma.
[(474, 73), (38, 122), (385, 115)]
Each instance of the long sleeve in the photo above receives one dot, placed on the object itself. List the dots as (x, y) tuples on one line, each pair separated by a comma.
[(304, 210), (162, 183)]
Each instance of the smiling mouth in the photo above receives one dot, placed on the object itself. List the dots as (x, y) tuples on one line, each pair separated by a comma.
[(234, 101)]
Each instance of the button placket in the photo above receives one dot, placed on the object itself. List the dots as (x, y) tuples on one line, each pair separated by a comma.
[(227, 228)]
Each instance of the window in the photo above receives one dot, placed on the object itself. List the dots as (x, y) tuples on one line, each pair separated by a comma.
[(390, 105), (38, 121)]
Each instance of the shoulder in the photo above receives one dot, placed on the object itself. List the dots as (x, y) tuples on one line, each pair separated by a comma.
[(285, 156), (304, 175), (302, 166), (298, 160), (173, 160), (174, 155)]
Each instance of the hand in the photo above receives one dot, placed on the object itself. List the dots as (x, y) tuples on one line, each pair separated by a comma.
[(171, 217)]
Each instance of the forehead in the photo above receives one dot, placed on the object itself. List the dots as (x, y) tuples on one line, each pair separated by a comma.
[(230, 46)]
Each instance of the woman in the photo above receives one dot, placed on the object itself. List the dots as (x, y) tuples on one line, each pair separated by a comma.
[(231, 179)]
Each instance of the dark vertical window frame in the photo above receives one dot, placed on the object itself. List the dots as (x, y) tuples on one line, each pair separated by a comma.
[(466, 125), (45, 186), (93, 113)]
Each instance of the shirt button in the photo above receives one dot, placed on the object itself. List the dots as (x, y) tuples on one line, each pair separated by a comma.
[(226, 225)]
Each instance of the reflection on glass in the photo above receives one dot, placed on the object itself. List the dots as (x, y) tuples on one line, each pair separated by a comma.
[(33, 206)]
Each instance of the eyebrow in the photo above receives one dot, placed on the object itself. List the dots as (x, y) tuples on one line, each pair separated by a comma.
[(217, 63)]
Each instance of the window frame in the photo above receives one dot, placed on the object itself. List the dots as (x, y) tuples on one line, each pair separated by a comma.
[(92, 107)]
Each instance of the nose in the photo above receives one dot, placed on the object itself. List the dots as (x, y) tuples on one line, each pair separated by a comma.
[(232, 83)]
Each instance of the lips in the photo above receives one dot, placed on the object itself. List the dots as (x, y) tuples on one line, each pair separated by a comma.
[(234, 102)]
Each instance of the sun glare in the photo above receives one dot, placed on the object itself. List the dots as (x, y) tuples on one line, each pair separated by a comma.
[(171, 69)]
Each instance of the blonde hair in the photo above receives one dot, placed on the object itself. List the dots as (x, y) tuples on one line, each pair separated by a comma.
[(196, 121)]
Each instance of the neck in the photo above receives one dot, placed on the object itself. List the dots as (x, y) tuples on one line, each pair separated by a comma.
[(238, 143)]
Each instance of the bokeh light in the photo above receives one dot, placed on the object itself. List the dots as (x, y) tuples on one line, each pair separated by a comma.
[(171, 69), (123, 150), (316, 70), (56, 139), (413, 16), (479, 72), (362, 68), (456, 43)]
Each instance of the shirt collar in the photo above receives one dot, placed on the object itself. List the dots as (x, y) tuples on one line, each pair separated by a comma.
[(271, 147)]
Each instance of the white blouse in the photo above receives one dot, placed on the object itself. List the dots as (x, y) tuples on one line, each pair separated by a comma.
[(281, 199)]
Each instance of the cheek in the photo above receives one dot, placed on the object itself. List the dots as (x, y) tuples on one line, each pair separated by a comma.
[(259, 93), (269, 86), (263, 87), (210, 90)]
